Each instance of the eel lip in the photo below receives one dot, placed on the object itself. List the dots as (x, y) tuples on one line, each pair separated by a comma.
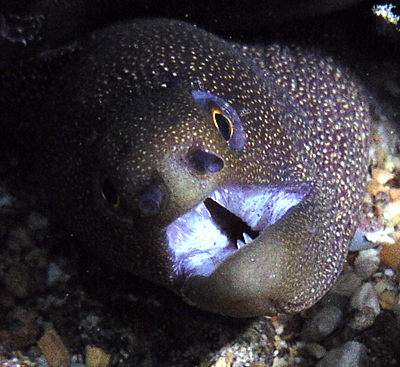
[(229, 219)]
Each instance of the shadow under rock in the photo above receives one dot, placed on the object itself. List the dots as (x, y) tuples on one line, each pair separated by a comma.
[(141, 324)]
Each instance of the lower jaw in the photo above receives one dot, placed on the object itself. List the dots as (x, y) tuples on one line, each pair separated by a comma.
[(226, 222)]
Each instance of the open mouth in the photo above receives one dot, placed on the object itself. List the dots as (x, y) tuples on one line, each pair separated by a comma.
[(227, 220)]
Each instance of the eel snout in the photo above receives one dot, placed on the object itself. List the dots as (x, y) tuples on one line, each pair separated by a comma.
[(228, 254)]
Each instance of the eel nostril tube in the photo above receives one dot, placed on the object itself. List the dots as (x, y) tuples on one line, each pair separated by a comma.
[(205, 162), (150, 202)]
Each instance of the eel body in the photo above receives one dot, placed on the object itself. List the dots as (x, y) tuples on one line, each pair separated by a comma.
[(231, 174)]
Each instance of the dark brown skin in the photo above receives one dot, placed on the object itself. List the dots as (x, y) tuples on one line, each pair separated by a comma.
[(155, 116)]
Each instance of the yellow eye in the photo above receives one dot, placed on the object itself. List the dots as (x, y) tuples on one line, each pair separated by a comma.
[(109, 193), (223, 124)]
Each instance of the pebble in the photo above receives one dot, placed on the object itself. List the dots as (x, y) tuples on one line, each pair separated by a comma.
[(389, 272), (380, 237), (350, 354), (391, 214), (37, 221), (347, 284), (37, 258), (22, 281), (391, 255), (381, 176), (394, 194), (316, 350), (54, 350), (384, 285), (6, 199), (366, 297), (365, 301), (362, 319), (387, 295), (77, 360), (222, 362), (322, 324), (280, 362), (367, 263), (19, 328), (19, 238), (55, 275), (7, 301), (255, 364), (96, 357), (373, 187)]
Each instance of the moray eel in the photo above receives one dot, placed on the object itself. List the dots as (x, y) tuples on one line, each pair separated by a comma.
[(230, 174)]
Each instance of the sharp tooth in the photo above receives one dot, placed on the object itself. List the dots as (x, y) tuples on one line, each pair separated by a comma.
[(239, 243), (247, 238)]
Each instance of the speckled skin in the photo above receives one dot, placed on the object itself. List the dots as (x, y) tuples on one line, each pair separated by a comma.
[(122, 112)]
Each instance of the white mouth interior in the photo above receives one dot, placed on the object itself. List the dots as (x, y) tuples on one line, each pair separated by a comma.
[(199, 244)]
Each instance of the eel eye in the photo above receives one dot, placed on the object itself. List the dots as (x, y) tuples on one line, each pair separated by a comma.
[(223, 124), (109, 193), (224, 117)]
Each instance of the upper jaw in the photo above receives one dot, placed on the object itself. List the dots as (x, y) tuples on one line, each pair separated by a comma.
[(231, 217)]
